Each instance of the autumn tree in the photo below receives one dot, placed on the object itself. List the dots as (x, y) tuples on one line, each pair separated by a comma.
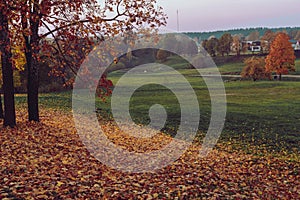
[(281, 58), (297, 36), (204, 44), (293, 33), (237, 44), (212, 46), (66, 21), (224, 44), (255, 69), (253, 36), (267, 39), (6, 62)]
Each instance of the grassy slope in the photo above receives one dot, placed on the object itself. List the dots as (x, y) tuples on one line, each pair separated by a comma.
[(260, 112), (264, 111)]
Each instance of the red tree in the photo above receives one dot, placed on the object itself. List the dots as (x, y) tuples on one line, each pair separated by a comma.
[(70, 21)]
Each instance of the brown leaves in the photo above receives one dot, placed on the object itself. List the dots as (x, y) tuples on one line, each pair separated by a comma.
[(48, 161)]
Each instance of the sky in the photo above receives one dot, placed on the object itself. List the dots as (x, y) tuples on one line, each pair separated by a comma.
[(212, 15)]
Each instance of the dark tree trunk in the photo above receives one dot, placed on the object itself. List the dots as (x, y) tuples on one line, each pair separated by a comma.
[(31, 53), (32, 91), (1, 109), (7, 71), (280, 77)]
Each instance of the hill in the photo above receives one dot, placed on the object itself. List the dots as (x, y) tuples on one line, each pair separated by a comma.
[(292, 31)]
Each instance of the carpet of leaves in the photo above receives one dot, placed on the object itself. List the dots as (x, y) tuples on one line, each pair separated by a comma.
[(47, 160)]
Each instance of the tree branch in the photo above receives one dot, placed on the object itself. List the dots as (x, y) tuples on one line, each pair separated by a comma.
[(58, 47), (81, 22)]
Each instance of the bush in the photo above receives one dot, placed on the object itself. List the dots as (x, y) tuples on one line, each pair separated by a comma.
[(255, 69)]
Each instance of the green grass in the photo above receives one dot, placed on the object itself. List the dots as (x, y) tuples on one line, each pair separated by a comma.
[(262, 112), (232, 68), (268, 111), (57, 100)]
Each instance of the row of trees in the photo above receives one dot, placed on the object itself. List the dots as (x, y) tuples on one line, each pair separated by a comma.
[(28, 23), (237, 44), (280, 60), (226, 44)]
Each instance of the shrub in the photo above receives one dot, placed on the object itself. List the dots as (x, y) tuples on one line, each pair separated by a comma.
[(255, 69)]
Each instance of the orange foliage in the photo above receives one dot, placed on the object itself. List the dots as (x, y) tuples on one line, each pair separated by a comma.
[(255, 69), (281, 58)]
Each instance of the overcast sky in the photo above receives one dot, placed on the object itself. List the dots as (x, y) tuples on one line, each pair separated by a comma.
[(209, 15)]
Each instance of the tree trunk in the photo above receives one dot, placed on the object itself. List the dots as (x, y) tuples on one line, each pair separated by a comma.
[(7, 71), (32, 51), (32, 91), (1, 109), (280, 77)]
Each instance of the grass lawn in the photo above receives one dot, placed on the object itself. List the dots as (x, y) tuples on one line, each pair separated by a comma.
[(262, 112)]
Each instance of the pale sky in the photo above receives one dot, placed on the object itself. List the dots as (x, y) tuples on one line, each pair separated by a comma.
[(210, 15)]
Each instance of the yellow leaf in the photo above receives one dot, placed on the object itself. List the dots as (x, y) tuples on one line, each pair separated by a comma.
[(59, 183)]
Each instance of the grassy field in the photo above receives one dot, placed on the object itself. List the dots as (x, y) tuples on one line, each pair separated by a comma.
[(265, 112), (262, 112)]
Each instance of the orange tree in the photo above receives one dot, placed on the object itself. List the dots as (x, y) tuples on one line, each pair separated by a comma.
[(255, 69), (68, 22), (281, 58)]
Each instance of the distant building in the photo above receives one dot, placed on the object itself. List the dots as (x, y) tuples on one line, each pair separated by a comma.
[(295, 44), (255, 46)]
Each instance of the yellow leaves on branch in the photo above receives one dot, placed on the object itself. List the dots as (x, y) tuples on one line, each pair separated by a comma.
[(19, 59)]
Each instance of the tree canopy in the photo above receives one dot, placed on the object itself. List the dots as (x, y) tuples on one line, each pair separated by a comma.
[(33, 22), (255, 69), (281, 58)]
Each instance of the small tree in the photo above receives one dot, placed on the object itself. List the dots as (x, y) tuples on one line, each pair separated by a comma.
[(236, 44), (225, 44), (281, 58), (267, 40), (297, 37), (253, 36), (255, 69), (212, 46)]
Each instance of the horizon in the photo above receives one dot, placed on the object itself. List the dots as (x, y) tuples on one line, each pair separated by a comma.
[(243, 28)]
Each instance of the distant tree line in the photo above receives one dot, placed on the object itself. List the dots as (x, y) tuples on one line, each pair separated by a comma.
[(239, 43), (291, 31)]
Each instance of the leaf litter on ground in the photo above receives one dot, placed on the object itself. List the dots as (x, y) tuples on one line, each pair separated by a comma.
[(48, 160)]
